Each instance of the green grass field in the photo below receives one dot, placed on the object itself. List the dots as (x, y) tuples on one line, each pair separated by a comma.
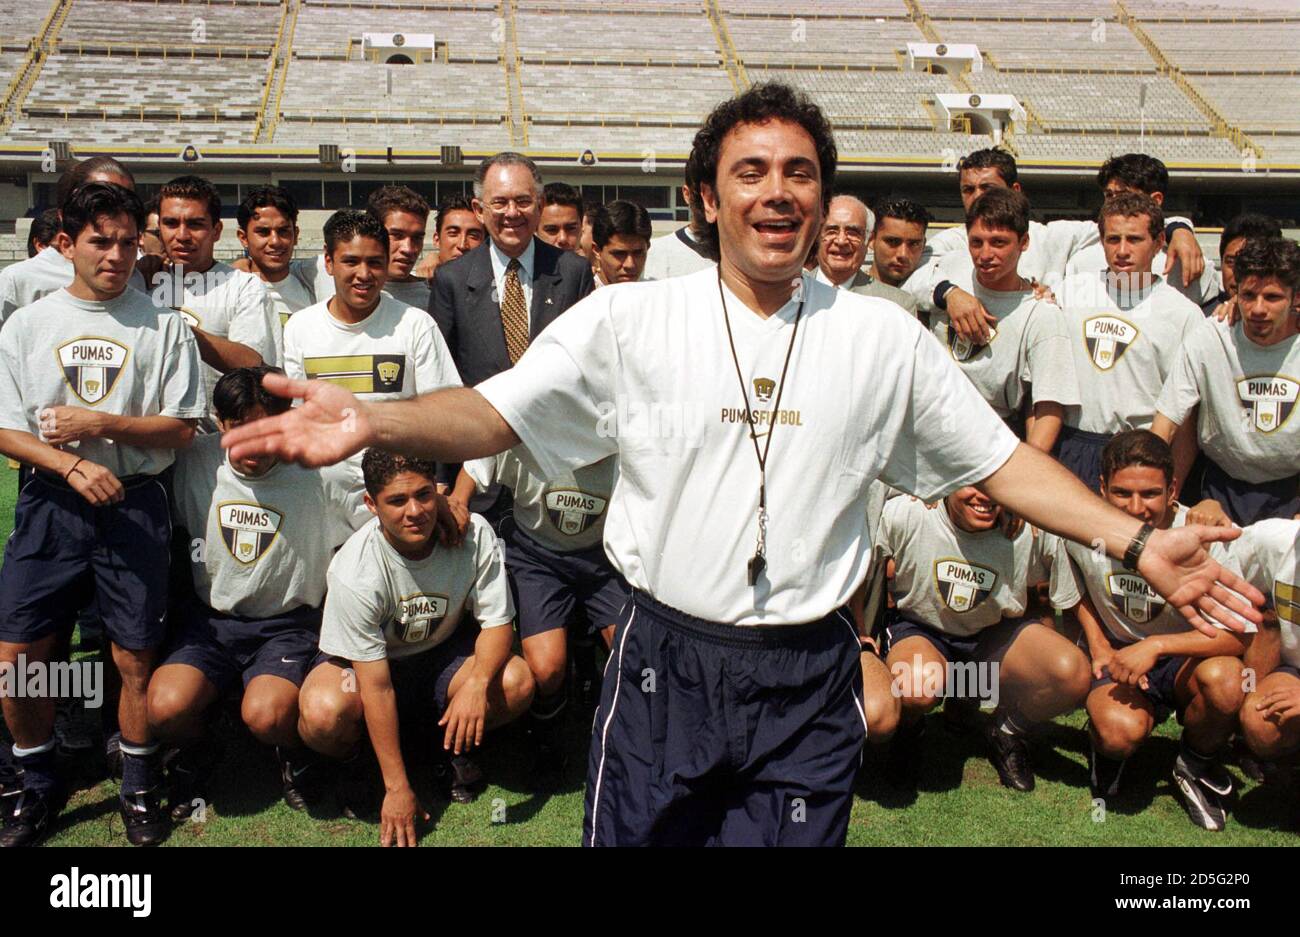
[(959, 801)]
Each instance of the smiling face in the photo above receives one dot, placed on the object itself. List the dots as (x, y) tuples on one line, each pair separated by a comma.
[(511, 207), (972, 511), (561, 226), (1142, 491), (461, 231), (103, 256), (1267, 309), (270, 239), (996, 254), (767, 202), (405, 242), (359, 268), (843, 239), (189, 233), (407, 510)]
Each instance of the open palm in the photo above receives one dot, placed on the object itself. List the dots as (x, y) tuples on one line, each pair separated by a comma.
[(330, 425), (1178, 565)]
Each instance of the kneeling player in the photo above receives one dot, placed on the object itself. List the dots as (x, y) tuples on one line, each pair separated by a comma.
[(961, 588), (1146, 660), (1267, 553), (268, 531), (557, 563), (395, 625)]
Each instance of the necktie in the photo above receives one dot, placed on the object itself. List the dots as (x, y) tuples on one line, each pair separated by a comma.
[(514, 313)]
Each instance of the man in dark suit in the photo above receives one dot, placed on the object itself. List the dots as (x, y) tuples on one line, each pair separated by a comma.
[(491, 302)]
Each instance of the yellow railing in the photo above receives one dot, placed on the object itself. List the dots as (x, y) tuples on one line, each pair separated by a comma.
[(19, 72), (270, 75), (161, 49), (395, 116), (294, 7), (45, 23)]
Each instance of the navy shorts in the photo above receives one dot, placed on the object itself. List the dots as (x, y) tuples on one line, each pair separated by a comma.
[(64, 554), (1160, 685), (986, 646), (712, 734), (422, 681), (1249, 502), (227, 648), (550, 585), (1080, 452), (1287, 669)]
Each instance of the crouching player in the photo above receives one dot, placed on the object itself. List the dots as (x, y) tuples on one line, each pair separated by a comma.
[(557, 564), (961, 589), (1267, 553), (261, 536), (413, 627), (1147, 661), (98, 387)]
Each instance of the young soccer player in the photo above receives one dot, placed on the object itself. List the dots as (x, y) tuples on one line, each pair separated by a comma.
[(261, 537), (415, 629), (457, 230), (360, 337), (557, 563), (897, 240), (561, 225), (620, 237), (98, 387), (1233, 391), (404, 213), (1242, 228), (268, 229), (1026, 368), (1127, 327), (1146, 661), (230, 310), (961, 589)]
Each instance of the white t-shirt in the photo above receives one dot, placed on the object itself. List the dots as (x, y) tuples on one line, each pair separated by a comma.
[(1246, 393), (288, 296), (1125, 344), (645, 372), (28, 280), (1267, 554), (1028, 353), (565, 513), (1129, 608), (267, 541), (126, 356), (671, 256), (954, 580), (382, 605)]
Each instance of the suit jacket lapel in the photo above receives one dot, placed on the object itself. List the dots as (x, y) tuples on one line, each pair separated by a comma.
[(545, 283)]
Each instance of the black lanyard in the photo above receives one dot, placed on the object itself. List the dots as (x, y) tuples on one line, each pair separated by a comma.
[(758, 562)]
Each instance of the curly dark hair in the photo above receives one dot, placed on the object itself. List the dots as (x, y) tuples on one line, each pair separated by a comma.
[(378, 468), (761, 103), (1270, 257)]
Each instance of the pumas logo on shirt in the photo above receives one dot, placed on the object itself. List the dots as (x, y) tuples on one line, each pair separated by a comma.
[(964, 349), (963, 585), (1267, 401), (361, 374), (248, 529), (1134, 598), (1286, 601), (1107, 338), (418, 616), (573, 511), (91, 366), (764, 387)]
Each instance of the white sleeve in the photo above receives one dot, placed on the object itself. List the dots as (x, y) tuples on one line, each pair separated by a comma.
[(434, 367), (8, 295), (483, 471), (1065, 584), (13, 413), (1049, 359), (182, 394), (293, 366), (253, 322), (352, 624), (490, 600), (1181, 391), (1073, 236), (556, 397)]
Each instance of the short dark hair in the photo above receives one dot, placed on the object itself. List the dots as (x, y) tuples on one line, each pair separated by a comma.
[(620, 218), (761, 103), (904, 209), (1000, 208), (1131, 205), (44, 227), (94, 199), (76, 176), (450, 204), (267, 196), (378, 468), (1269, 257), (992, 158), (391, 198), (1136, 447), (505, 158), (1136, 170), (196, 188), (151, 206), (348, 223), (561, 193), (1248, 225), (237, 393)]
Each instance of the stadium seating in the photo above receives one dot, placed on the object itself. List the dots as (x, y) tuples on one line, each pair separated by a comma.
[(1094, 100), (416, 135), (1023, 10), (1077, 44), (175, 134), (859, 96), (617, 36), (23, 20), (1094, 148), (360, 88), (618, 92), (803, 8), (136, 23), (123, 84), (1226, 45), (823, 41), (324, 28)]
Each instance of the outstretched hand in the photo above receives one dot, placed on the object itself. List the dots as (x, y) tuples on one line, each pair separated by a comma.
[(330, 425), (1178, 565)]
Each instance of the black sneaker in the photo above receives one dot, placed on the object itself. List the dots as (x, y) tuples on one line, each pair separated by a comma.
[(1202, 793), (10, 777), (460, 778), (905, 760), (146, 822), (27, 816), (113, 755), (1104, 773), (1010, 756), (188, 770), (359, 785), (960, 715), (297, 777)]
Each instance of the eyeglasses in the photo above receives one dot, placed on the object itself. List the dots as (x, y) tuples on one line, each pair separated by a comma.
[(499, 206), (852, 235)]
